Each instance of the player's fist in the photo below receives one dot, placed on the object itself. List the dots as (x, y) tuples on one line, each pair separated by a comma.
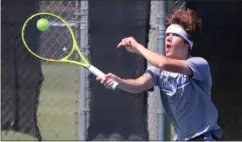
[(108, 80), (130, 44)]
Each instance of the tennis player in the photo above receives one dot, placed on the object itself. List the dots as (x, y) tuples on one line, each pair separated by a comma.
[(184, 81)]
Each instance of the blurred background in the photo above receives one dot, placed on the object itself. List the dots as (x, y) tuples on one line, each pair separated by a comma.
[(44, 101)]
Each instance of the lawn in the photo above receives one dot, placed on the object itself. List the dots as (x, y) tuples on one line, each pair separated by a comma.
[(59, 100)]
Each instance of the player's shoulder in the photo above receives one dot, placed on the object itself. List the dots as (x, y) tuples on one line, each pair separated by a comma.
[(199, 60)]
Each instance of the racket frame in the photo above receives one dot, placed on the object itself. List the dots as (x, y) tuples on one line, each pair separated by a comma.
[(85, 63)]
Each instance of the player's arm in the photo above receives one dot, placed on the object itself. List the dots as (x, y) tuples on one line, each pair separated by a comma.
[(165, 63), (138, 85), (156, 59)]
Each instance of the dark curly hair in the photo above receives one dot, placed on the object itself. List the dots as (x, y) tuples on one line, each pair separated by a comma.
[(188, 19)]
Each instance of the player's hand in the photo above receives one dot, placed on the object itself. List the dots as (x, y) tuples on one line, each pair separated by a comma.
[(108, 80), (130, 44)]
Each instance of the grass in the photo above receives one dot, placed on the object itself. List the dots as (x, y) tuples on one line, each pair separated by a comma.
[(59, 100)]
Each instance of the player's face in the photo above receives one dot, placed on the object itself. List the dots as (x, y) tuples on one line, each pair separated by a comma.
[(175, 46)]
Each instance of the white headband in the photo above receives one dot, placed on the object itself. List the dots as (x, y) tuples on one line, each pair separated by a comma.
[(177, 29)]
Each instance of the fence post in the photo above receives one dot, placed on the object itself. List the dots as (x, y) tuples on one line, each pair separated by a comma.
[(83, 91), (163, 129)]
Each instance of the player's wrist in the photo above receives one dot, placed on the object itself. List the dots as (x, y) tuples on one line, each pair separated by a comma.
[(119, 80), (140, 48), (121, 83)]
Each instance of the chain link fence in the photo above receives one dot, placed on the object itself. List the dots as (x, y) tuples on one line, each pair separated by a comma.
[(60, 114), (59, 109)]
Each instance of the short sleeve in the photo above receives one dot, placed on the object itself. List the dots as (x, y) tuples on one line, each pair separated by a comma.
[(154, 72), (200, 68)]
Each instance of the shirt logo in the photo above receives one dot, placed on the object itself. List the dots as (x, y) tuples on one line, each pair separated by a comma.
[(170, 83)]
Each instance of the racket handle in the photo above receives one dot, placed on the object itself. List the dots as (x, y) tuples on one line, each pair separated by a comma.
[(99, 73)]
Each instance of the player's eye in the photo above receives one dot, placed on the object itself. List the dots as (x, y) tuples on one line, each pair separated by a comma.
[(167, 34), (174, 34)]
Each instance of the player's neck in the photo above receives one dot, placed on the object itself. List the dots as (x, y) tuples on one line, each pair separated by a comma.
[(182, 56)]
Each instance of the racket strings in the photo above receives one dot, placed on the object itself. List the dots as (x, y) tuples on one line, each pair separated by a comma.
[(60, 44), (54, 43), (57, 42)]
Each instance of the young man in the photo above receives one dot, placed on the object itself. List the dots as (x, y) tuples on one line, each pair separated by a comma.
[(184, 81)]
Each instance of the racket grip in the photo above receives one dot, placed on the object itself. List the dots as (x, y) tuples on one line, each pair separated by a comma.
[(99, 73)]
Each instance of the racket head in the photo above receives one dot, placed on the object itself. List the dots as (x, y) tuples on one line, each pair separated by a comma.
[(58, 48)]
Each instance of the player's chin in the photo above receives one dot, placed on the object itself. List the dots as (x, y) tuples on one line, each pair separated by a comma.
[(168, 54)]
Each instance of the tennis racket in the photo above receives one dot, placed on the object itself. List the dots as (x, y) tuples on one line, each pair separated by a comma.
[(62, 47)]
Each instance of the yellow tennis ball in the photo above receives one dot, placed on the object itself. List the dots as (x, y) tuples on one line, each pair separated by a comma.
[(42, 24)]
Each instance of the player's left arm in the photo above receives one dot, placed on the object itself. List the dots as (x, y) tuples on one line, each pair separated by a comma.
[(165, 63)]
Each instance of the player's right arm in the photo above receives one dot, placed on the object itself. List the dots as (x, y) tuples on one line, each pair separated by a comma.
[(138, 85)]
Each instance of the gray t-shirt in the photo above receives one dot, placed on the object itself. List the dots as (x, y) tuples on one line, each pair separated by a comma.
[(187, 100)]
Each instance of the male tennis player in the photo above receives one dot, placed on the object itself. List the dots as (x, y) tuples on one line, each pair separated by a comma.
[(184, 81)]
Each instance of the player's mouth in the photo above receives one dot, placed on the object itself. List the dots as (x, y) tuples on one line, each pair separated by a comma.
[(168, 48)]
